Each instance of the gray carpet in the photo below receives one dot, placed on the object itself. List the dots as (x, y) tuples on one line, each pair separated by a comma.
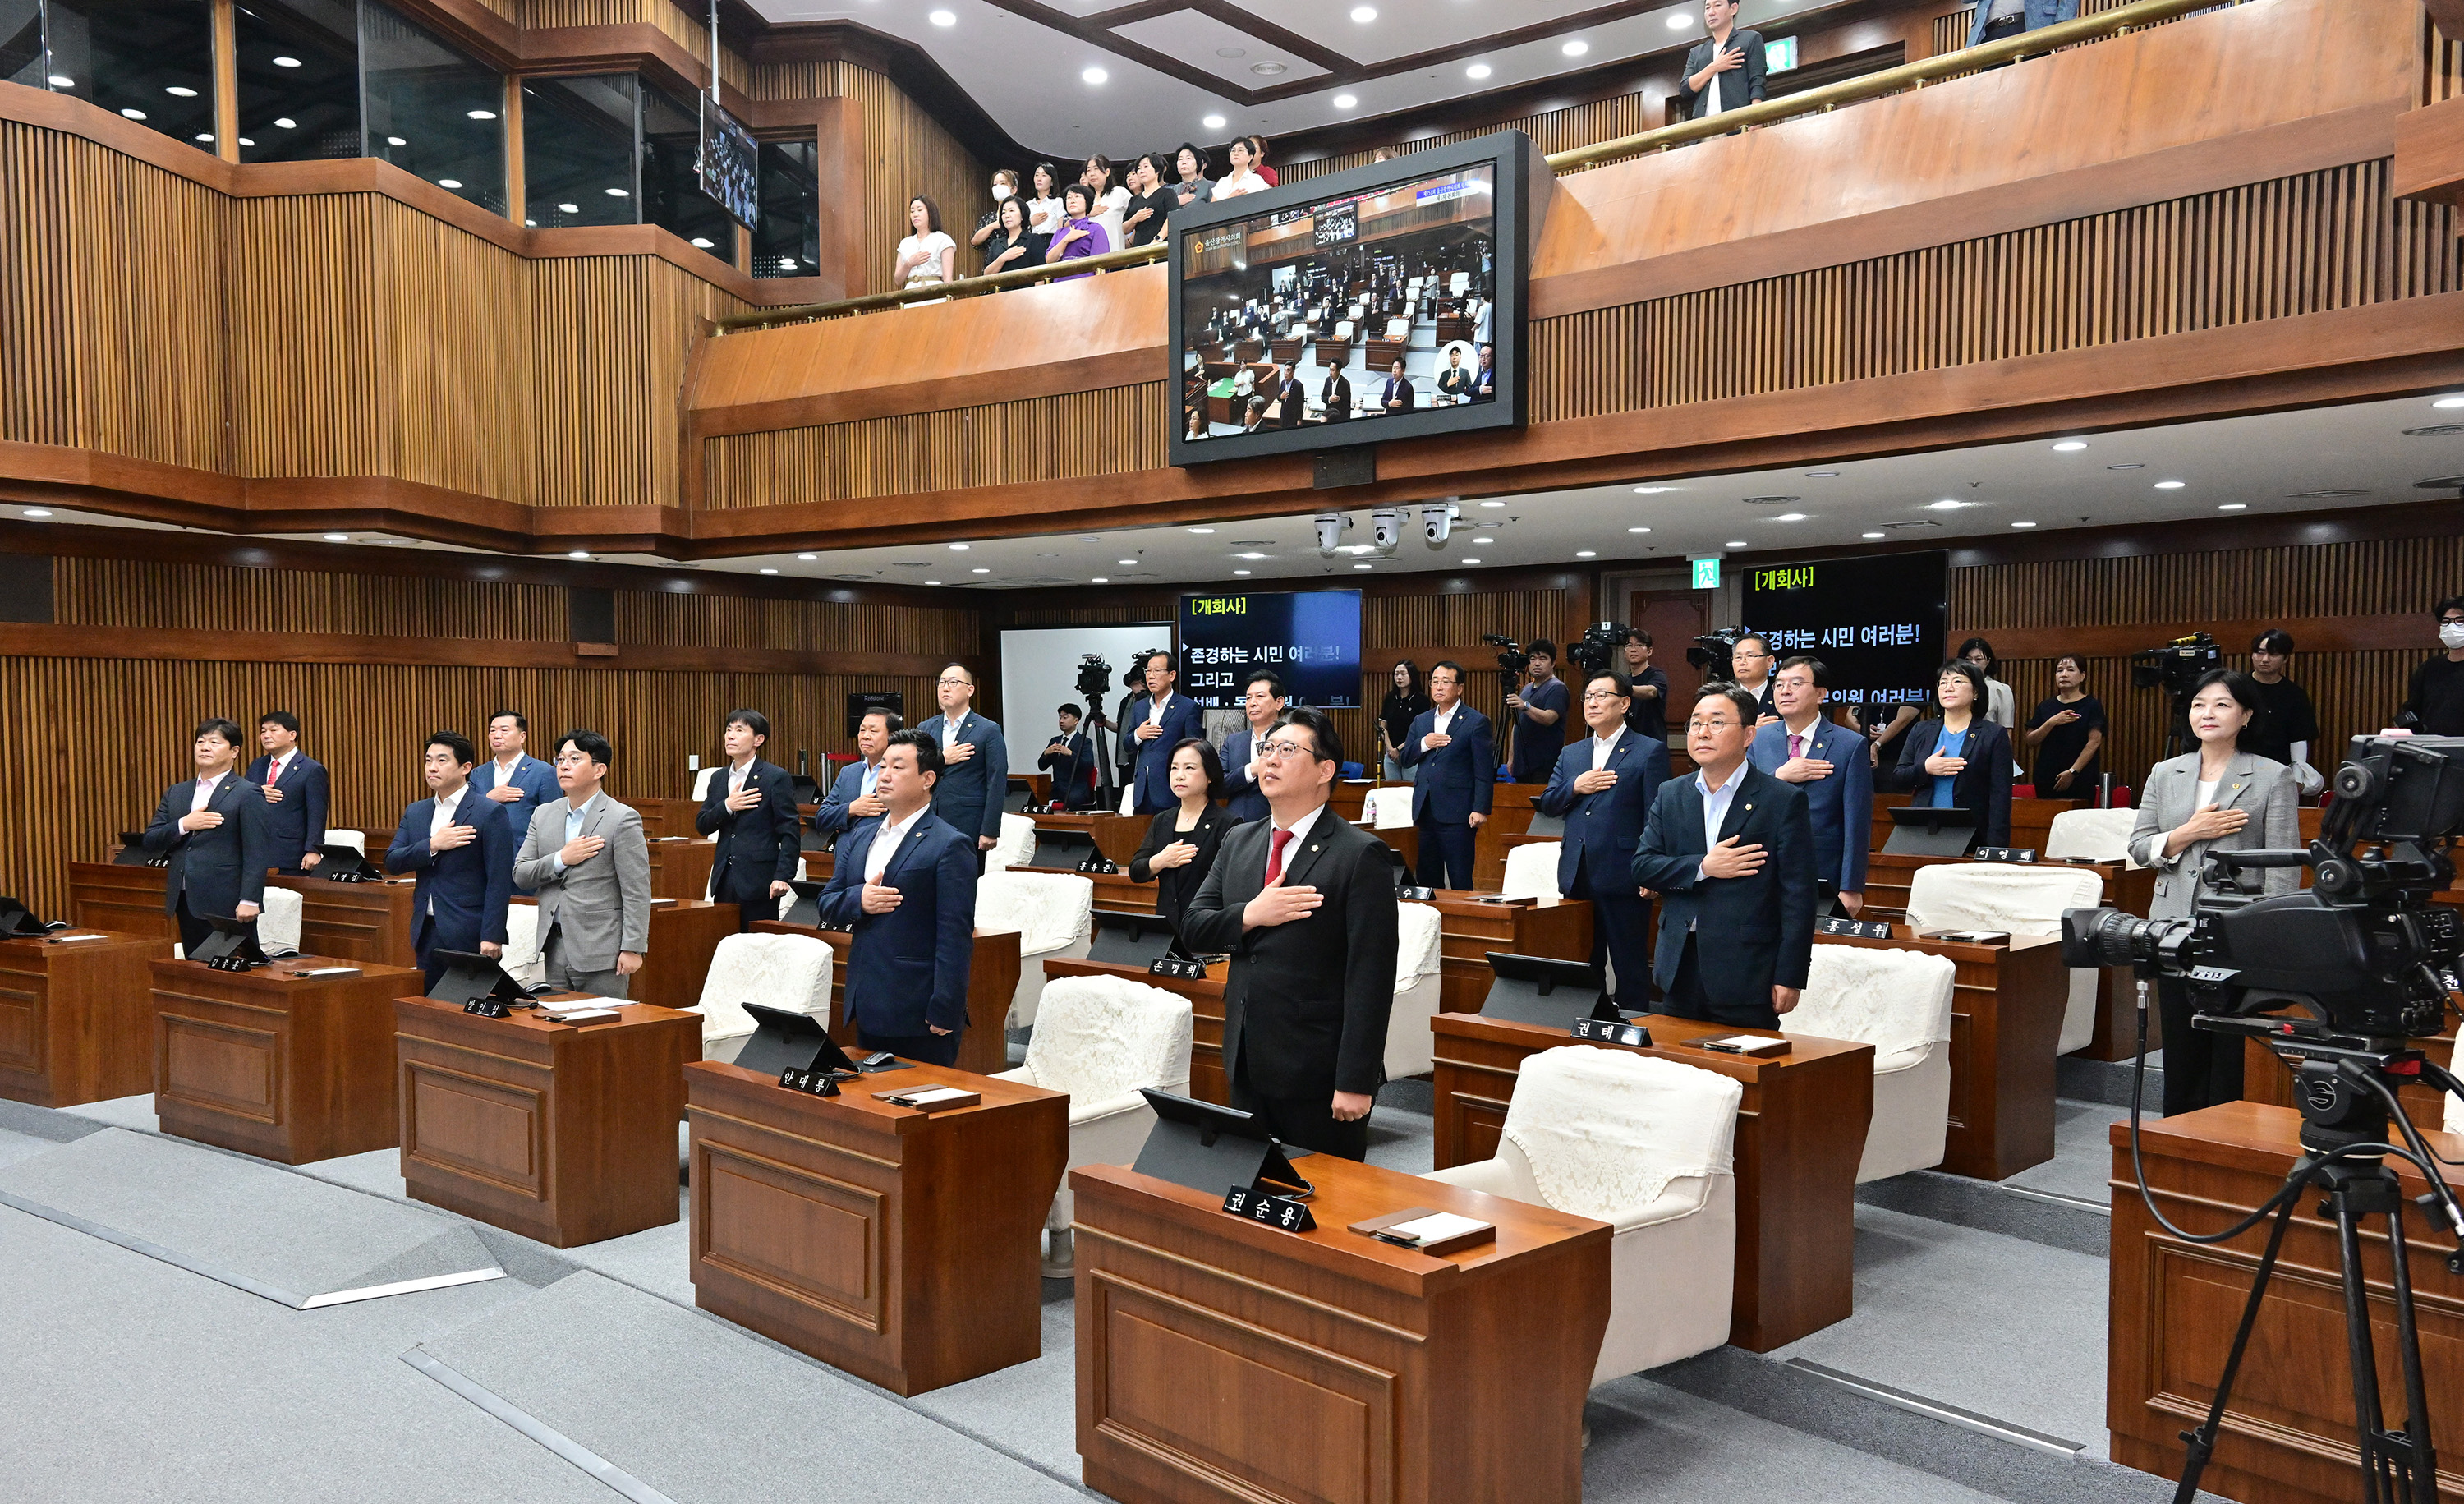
[(1650, 1442), (254, 1226), (2083, 1159)]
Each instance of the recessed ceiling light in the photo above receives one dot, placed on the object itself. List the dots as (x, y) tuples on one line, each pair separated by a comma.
[(2232, 506), (396, 140), (1789, 516), (62, 80), (808, 558), (1587, 553), (1094, 74), (1680, 21), (704, 242), (1101, 580), (578, 553), (1471, 560), (2171, 485), (134, 115), (285, 123), (245, 142), (2070, 445), (620, 192), (769, 571), (942, 18), (338, 538), (1363, 566), (1822, 475), (1477, 71), (2023, 524), (2125, 467), (1249, 556), (1126, 564), (180, 92), (286, 62), (1364, 14), (568, 208), (1653, 490), (2448, 402), (448, 182), (1945, 505), (1492, 503), (1345, 101), (1637, 530), (480, 115), (981, 569), (937, 581), (1240, 571), (1204, 532), (1575, 48), (37, 512), (207, 140), (959, 549), (1734, 542), (1873, 535), (1269, 70), (1212, 123)]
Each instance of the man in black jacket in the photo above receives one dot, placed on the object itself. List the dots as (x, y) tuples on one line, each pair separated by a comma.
[(1304, 901), (214, 828), (1335, 396), (1724, 71), (751, 806)]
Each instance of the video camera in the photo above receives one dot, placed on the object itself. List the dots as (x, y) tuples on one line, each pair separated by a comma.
[(1714, 654), (1094, 680), (2177, 667), (1596, 650), (1513, 658)]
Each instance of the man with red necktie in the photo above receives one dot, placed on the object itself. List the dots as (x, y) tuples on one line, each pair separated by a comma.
[(297, 793)]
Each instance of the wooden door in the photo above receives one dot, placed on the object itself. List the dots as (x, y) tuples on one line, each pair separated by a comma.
[(1674, 618)]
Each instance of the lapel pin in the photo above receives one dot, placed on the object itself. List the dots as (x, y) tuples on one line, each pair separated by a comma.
[(1749, 810)]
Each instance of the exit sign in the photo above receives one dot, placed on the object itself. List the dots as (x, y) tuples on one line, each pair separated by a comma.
[(1780, 55), (1706, 574)]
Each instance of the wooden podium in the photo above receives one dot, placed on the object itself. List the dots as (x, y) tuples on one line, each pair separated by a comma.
[(1800, 1132), (901, 1245), (1222, 1360), (566, 1133), (126, 900), (357, 921), (276, 1063), (77, 1018), (1468, 930), (2288, 1431), (681, 868)]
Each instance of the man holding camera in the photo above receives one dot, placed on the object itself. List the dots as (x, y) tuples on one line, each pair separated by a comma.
[(1539, 710)]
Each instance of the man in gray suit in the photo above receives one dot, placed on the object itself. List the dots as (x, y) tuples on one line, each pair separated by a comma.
[(586, 859)]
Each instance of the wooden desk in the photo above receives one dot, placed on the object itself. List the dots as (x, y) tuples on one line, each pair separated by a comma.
[(76, 1020), (684, 935), (2267, 1079), (358, 921), (1112, 889), (666, 817), (125, 900), (287, 1068), (2006, 1017), (1117, 836), (1405, 839), (1208, 1080), (992, 985), (1467, 931), (1038, 786), (564, 1133), (1509, 813), (2032, 820), (1800, 1133), (681, 868), (902, 1246), (1349, 794), (2288, 1434), (1222, 1360)]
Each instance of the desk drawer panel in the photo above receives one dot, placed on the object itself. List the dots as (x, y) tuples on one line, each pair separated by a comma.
[(816, 1240)]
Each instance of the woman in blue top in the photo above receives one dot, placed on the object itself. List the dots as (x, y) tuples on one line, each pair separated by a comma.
[(1962, 761)]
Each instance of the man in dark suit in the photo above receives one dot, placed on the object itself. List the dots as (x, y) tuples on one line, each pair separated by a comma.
[(462, 847), (751, 806), (213, 827), (1397, 396), (1484, 382), (1154, 726), (853, 797), (512, 778), (1335, 396), (1828, 764), (1069, 758), (1263, 702), (1454, 754), (1603, 789), (296, 794), (904, 888), (1454, 383), (1726, 70), (1730, 853), (975, 762), (1304, 901)]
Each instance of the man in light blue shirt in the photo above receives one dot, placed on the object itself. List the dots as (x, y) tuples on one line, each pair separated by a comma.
[(852, 800)]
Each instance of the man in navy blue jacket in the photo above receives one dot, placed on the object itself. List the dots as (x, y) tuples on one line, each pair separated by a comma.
[(1829, 764), (853, 797), (1069, 760), (1730, 853), (462, 847), (904, 888), (750, 808), (297, 793), (1155, 726), (1262, 701), (1455, 754), (974, 762), (1603, 789), (213, 829)]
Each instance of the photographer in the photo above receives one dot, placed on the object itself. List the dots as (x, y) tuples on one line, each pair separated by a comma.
[(1649, 716), (1539, 709), (2218, 798), (2433, 702)]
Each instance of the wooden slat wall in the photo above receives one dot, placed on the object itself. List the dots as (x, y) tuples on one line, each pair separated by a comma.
[(1556, 130), (133, 593), (721, 621), (2442, 64), (905, 152), (687, 31)]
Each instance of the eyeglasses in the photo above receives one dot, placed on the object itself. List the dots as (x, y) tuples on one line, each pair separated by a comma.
[(1279, 748), (1698, 723), (1590, 695), (953, 679), (1750, 652)]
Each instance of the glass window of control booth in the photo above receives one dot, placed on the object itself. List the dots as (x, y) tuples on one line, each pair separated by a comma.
[(671, 195), (21, 43), (150, 61), (788, 240), (299, 79), (430, 110), (580, 150)]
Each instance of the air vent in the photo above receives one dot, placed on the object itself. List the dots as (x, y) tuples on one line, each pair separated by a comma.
[(857, 578), (1773, 500), (1238, 543), (2440, 483), (1923, 522), (2439, 431), (912, 564), (2325, 496)]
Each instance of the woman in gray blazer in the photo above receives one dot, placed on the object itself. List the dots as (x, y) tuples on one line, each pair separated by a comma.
[(2218, 798)]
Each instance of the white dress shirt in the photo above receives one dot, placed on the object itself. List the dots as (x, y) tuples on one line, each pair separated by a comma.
[(737, 774), (275, 766), (1602, 748), (885, 843), (206, 788), (574, 815), (445, 806), (1715, 809), (950, 726), (1444, 719), (1300, 830)]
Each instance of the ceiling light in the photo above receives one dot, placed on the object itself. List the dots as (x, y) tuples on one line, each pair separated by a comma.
[(1345, 101), (2125, 467), (38, 513), (1212, 123), (942, 18), (1680, 21), (769, 571), (1492, 503), (1575, 48), (480, 115), (981, 569), (2171, 485), (285, 123), (338, 538), (1471, 560), (1127, 564), (1364, 567), (396, 140), (1873, 535), (1101, 580), (703, 241), (2070, 445), (1653, 490), (1587, 553), (1269, 70), (620, 192), (1477, 71), (179, 92), (937, 581), (62, 80), (1734, 542), (2443, 402), (286, 62), (568, 208), (959, 549), (134, 115), (1789, 516), (2232, 506), (2023, 524), (1364, 14), (808, 558), (1094, 74), (1945, 505), (245, 142), (1637, 530), (1822, 475), (1249, 556), (578, 553), (208, 139), (1204, 532), (1240, 571), (450, 182)]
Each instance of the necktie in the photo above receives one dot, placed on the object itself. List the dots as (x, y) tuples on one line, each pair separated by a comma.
[(1275, 856), (1796, 744)]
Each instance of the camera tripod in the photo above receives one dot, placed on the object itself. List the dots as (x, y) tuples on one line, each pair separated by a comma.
[(2347, 1092)]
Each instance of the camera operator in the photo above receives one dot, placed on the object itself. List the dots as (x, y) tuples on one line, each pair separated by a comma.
[(1539, 709), (2218, 798), (2433, 702), (1649, 716), (2288, 724)]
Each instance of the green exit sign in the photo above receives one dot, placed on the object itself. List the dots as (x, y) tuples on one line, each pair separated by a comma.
[(1780, 55), (1706, 574)]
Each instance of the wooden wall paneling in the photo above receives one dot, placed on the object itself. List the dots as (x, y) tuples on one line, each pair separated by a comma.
[(303, 328), (144, 593), (905, 152), (825, 627)]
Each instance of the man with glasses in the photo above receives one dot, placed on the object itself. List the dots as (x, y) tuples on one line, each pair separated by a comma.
[(1304, 903), (1602, 788), (1828, 764), (1155, 725), (1455, 753), (1262, 701), (586, 857), (1752, 658), (974, 762), (1729, 851)]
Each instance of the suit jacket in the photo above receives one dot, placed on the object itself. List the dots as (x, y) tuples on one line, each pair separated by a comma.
[(1243, 800), (1841, 805), (1151, 782), (1176, 886), (969, 794), (1605, 829), (296, 825), (1738, 87), (831, 817), (907, 970), (757, 846), (604, 904), (2040, 12), (1456, 779), (2260, 786), (1306, 1002), (1983, 786), (1483, 383), (537, 780), (1336, 395), (1396, 387), (1455, 381), (219, 868), (462, 894), (1073, 771), (1755, 932), (1293, 400)]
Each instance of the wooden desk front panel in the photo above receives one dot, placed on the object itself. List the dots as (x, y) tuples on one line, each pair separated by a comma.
[(126, 900), (992, 985), (293, 1070), (1468, 931), (681, 868), (1405, 839), (1800, 1133), (1117, 836), (1509, 813), (684, 936), (76, 1020), (667, 817), (2288, 1433), (1208, 1079), (361, 922)]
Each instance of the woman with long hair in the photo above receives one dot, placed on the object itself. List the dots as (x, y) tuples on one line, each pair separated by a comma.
[(1408, 696), (928, 257)]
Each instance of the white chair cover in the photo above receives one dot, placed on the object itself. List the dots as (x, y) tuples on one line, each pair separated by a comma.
[(2454, 1113), (1100, 1039), (1456, 282), (1531, 869), (356, 840), (1417, 986), (702, 778), (1388, 809), (782, 971), (1900, 1002), (1016, 845), (1053, 914), (2096, 835), (1606, 1130), (522, 960), (1129, 802), (278, 924), (2022, 900), (1343, 328), (1398, 328)]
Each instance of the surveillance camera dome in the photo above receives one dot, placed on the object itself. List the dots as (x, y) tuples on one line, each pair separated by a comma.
[(1330, 528), (1438, 521), (1386, 529)]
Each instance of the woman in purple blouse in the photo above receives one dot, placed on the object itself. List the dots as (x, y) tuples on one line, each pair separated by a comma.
[(1079, 235)]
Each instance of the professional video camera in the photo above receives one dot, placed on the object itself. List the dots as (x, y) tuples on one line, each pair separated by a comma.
[(1095, 681), (2334, 982), (1596, 650), (2176, 668), (1714, 654), (1512, 659)]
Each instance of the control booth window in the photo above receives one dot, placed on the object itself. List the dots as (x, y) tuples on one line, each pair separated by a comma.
[(21, 43), (671, 195), (299, 79), (580, 150), (788, 240), (431, 110), (150, 61)]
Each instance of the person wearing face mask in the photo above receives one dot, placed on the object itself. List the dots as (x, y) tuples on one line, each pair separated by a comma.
[(2433, 702), (1962, 761), (2217, 798), (1004, 189)]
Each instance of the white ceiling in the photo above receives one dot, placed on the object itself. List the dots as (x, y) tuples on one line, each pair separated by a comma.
[(1022, 64)]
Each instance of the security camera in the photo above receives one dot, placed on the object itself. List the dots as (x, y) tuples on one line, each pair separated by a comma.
[(1437, 522), (1386, 529), (1331, 528)]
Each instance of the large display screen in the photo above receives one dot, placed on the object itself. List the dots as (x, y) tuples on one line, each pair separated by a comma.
[(1310, 638), (1877, 624), (728, 165), (1382, 303)]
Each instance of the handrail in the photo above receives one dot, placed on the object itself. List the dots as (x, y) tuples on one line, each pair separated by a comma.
[(1829, 97)]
